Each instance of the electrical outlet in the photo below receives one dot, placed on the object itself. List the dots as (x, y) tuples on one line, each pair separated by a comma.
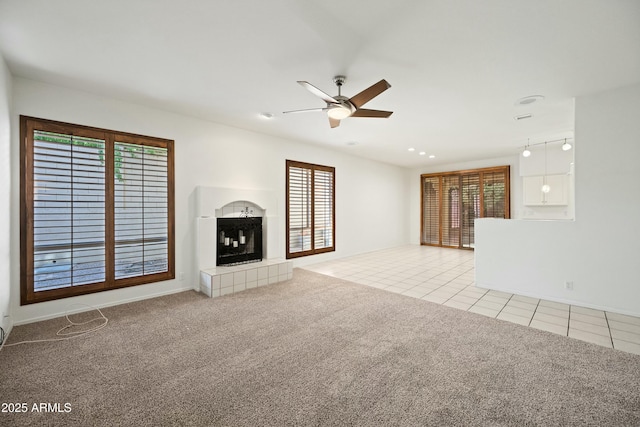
[(568, 285), (181, 276)]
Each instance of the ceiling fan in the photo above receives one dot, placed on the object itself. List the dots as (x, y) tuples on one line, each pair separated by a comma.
[(340, 107)]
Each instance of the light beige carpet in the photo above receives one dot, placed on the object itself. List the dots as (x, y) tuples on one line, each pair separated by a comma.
[(314, 351)]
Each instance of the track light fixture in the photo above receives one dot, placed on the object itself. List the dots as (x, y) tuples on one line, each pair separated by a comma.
[(566, 146)]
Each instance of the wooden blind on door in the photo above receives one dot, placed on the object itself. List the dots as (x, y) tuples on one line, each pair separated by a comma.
[(470, 208), (431, 210), (452, 201), (450, 211)]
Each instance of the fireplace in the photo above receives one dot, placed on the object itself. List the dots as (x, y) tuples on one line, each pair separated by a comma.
[(239, 240)]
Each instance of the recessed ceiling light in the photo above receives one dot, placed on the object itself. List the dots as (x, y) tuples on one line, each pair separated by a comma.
[(412, 149), (266, 116), (432, 156), (528, 100), (422, 153), (352, 143)]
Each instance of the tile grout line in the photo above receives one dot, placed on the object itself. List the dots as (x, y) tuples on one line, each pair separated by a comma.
[(485, 292), (505, 304), (609, 328), (535, 310)]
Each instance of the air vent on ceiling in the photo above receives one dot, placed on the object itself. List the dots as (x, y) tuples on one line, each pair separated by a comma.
[(523, 116)]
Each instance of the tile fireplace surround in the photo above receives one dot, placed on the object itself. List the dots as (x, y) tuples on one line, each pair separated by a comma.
[(216, 202)]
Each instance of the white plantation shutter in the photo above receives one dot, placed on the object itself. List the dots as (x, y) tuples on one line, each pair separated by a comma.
[(68, 210), (97, 210), (299, 214), (310, 209), (323, 209), (141, 210)]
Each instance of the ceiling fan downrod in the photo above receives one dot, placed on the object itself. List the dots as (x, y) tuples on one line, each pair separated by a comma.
[(339, 81)]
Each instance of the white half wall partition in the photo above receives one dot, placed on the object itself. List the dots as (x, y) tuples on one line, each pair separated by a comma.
[(599, 252)]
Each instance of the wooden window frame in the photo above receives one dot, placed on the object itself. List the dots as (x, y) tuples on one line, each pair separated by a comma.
[(28, 125), (506, 169), (312, 167)]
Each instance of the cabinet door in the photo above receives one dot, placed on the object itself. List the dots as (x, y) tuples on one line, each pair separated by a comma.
[(531, 190), (558, 194)]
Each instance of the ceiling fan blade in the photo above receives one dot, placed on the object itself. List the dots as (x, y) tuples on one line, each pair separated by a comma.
[(371, 113), (306, 110), (369, 93), (334, 122), (317, 92)]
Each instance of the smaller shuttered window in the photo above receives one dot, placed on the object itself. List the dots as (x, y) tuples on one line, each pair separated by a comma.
[(310, 209), (96, 210)]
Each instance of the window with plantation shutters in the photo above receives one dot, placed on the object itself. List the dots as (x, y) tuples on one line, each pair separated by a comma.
[(141, 210), (96, 210), (68, 210), (310, 209), (452, 201)]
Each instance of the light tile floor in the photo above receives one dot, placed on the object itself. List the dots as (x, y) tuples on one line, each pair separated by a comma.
[(446, 276)]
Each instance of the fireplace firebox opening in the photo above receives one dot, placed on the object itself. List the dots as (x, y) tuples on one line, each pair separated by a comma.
[(239, 240)]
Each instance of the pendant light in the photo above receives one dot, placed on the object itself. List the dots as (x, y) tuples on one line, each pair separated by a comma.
[(545, 187), (526, 152), (566, 146)]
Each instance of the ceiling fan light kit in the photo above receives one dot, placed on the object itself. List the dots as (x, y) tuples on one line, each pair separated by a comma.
[(339, 112), (340, 107)]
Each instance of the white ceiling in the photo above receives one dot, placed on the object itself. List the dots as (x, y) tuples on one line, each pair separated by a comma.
[(456, 67)]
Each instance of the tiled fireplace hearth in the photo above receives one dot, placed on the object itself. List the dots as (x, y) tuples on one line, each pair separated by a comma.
[(219, 281), (228, 229)]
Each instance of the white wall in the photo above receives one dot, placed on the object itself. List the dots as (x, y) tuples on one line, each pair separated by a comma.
[(599, 251), (5, 193), (368, 194)]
